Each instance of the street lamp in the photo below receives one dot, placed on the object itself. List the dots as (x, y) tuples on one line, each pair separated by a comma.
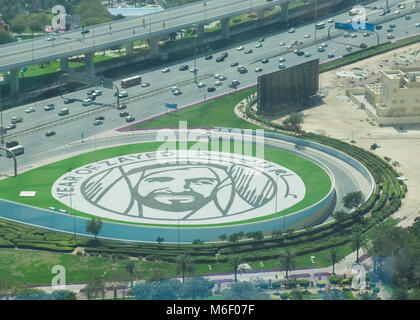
[(118, 94), (195, 55), (71, 207)]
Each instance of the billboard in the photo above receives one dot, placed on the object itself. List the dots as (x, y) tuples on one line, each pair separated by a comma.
[(288, 89)]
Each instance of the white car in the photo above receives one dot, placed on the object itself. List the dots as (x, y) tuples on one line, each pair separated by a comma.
[(292, 30), (331, 55), (258, 69), (346, 34), (306, 36), (218, 83), (235, 82), (282, 43), (417, 25), (354, 35), (87, 102), (282, 66), (145, 84), (30, 109), (165, 70), (50, 38), (240, 48), (331, 20), (97, 122), (397, 11), (222, 77), (390, 36), (123, 94), (194, 70), (289, 46), (216, 76), (201, 84), (407, 17), (324, 45), (282, 59), (97, 93), (258, 45), (307, 54)]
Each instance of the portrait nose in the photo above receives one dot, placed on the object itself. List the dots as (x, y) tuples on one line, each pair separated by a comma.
[(178, 186)]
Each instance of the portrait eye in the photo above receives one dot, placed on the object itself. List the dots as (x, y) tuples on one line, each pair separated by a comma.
[(203, 181), (159, 179)]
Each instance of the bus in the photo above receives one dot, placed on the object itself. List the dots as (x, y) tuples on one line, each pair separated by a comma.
[(17, 150), (353, 12), (320, 25), (129, 82)]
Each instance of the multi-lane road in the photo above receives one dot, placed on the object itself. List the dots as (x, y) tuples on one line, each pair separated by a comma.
[(151, 101)]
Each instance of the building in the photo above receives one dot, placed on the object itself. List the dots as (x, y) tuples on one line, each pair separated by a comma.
[(395, 100)]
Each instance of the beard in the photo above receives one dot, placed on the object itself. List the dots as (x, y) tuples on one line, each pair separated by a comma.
[(174, 202)]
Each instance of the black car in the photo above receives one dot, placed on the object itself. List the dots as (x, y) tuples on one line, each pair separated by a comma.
[(363, 45), (220, 59), (69, 100), (234, 64), (123, 114), (100, 118), (84, 31), (90, 91), (378, 27), (225, 55), (265, 61), (211, 89), (183, 67), (261, 40), (248, 51), (11, 144), (49, 133), (300, 53), (121, 107), (209, 57)]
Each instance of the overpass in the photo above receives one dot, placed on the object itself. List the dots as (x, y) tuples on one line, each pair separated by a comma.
[(17, 55)]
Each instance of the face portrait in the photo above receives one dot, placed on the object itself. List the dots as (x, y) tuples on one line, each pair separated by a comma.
[(177, 189)]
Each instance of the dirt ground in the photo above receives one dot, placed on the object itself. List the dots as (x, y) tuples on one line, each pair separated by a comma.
[(340, 118)]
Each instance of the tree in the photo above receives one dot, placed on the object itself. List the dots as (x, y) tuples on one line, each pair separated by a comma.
[(34, 24), (196, 287), (130, 267), (335, 257), (95, 287), (5, 37), (373, 147), (368, 296), (157, 290), (94, 226), (340, 216), (184, 264), (18, 24), (160, 240), (294, 123), (223, 237), (287, 260), (157, 275), (243, 291), (353, 200), (356, 241), (234, 262)]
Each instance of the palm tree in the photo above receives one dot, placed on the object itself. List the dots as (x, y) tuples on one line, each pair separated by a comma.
[(184, 264), (234, 262), (357, 242), (130, 267), (287, 260), (335, 257)]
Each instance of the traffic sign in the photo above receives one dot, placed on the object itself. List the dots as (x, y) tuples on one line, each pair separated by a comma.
[(356, 26)]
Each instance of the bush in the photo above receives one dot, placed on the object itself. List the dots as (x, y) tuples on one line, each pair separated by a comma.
[(304, 283), (346, 281), (376, 290), (320, 284), (334, 280), (290, 284), (276, 285), (264, 285), (284, 296)]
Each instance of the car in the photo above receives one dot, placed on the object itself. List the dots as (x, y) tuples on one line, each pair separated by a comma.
[(390, 36), (392, 25), (123, 94), (173, 89), (265, 60), (220, 59), (97, 122), (282, 43), (397, 11), (261, 40), (240, 48), (225, 54), (389, 30), (248, 51), (218, 83), (124, 114), (165, 70), (68, 100), (387, 10), (90, 91), (401, 6), (347, 34), (354, 35), (282, 66), (121, 107), (100, 118), (30, 110), (194, 70), (306, 36), (363, 45), (84, 31), (201, 84), (282, 59), (222, 77), (258, 45), (331, 55), (324, 45), (49, 133), (300, 53), (289, 46), (349, 48), (378, 27), (382, 13), (216, 76), (130, 119), (91, 97), (145, 84), (183, 67), (97, 93), (63, 112), (234, 64), (366, 34), (87, 102), (15, 120), (50, 107), (292, 30), (321, 49), (331, 20), (258, 69), (235, 82), (12, 144), (211, 89), (307, 54), (417, 25), (11, 126), (242, 69), (50, 38), (209, 57), (177, 92)]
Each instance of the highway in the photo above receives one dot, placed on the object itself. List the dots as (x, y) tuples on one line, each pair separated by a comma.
[(150, 101)]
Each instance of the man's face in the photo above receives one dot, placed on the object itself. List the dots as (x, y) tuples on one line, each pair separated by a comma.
[(178, 190)]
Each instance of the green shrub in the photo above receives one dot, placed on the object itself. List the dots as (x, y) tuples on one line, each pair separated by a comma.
[(304, 283), (276, 285), (320, 284), (290, 284), (284, 296), (264, 285)]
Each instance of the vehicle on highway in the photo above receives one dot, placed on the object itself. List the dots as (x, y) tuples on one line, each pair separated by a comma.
[(50, 38), (235, 82), (282, 43), (68, 100), (222, 77), (97, 122), (63, 112), (307, 54), (15, 120), (265, 60), (30, 110), (100, 118), (258, 45), (248, 51), (261, 40), (397, 11), (282, 66), (378, 27), (389, 30), (321, 49), (90, 91), (211, 89), (97, 93), (11, 126), (124, 114), (225, 54), (194, 70), (363, 45), (353, 12), (174, 89), (366, 34), (393, 25), (201, 84), (87, 102), (49, 133), (242, 69), (177, 92), (209, 57), (218, 83), (307, 36), (84, 31), (11, 144), (258, 69), (354, 35), (417, 25), (123, 94), (291, 30), (324, 45), (183, 67), (300, 53), (234, 64), (390, 36), (347, 34), (331, 20), (50, 106), (387, 10), (282, 59), (216, 76), (382, 13), (130, 119), (349, 48), (145, 85), (91, 97), (165, 70), (220, 59), (131, 81), (331, 55), (121, 107), (240, 48), (289, 46), (320, 25), (17, 150)]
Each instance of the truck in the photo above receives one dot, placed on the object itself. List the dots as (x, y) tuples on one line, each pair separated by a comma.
[(17, 150), (129, 82)]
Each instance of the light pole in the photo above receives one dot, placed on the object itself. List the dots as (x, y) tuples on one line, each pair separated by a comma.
[(316, 17), (195, 54), (71, 207), (118, 95), (205, 12)]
